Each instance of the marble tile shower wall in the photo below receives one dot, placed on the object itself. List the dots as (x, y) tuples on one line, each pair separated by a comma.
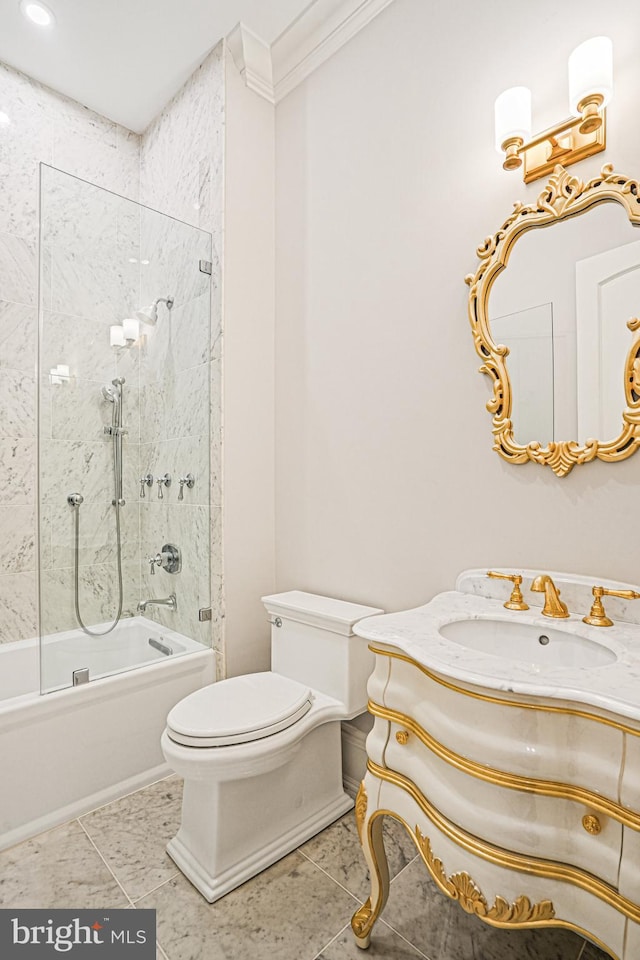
[(90, 253), (50, 128), (175, 372), (181, 174)]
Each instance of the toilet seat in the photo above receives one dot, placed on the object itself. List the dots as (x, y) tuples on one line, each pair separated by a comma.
[(238, 710)]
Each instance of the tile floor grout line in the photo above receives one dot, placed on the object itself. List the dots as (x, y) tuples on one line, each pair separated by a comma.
[(355, 896), (337, 882), (95, 847), (157, 887), (406, 866), (417, 856), (333, 939), (163, 952), (402, 937)]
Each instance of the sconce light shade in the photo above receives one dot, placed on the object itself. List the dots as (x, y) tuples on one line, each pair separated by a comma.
[(591, 73), (513, 116), (116, 336), (131, 328)]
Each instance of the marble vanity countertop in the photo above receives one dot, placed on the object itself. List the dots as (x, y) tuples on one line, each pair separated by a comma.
[(614, 687)]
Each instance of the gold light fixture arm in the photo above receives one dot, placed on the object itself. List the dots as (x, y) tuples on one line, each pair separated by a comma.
[(516, 600), (567, 142), (597, 615)]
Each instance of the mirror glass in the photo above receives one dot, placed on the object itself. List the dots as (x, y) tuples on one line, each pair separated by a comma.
[(561, 307)]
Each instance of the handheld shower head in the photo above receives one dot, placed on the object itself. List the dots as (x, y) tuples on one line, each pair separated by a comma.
[(150, 314), (109, 394), (113, 393)]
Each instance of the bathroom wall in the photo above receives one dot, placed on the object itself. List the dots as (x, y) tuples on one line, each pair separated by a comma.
[(387, 181), (50, 128), (180, 368), (249, 307)]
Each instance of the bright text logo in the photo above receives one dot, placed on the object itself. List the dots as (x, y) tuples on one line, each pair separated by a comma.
[(81, 934)]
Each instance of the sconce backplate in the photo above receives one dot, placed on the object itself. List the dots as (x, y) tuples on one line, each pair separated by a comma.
[(562, 144)]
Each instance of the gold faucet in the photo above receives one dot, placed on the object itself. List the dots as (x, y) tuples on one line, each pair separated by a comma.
[(597, 616), (553, 605), (516, 600)]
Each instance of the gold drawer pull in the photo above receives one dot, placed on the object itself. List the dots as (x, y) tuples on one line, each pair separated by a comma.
[(402, 736), (591, 824)]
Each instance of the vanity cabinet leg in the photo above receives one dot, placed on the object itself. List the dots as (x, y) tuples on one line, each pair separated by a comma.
[(373, 848)]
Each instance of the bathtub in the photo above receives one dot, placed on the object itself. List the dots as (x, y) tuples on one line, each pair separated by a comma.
[(76, 747)]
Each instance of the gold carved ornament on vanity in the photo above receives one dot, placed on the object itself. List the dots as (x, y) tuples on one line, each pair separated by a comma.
[(458, 886), (563, 198)]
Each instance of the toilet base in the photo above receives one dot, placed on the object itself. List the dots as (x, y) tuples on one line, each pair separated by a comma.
[(233, 829)]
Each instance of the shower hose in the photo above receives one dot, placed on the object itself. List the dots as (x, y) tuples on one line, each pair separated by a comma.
[(76, 574), (75, 500)]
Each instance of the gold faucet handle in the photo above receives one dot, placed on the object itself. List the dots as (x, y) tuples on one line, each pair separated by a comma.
[(597, 615), (515, 601)]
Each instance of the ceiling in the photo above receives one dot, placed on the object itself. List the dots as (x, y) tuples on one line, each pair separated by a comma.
[(126, 58)]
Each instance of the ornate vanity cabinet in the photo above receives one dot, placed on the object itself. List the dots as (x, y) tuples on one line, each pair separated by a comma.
[(518, 779)]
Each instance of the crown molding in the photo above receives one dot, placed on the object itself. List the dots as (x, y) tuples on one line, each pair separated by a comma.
[(252, 57), (324, 27), (315, 36)]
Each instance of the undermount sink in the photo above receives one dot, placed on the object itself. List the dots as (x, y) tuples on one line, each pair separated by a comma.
[(528, 642)]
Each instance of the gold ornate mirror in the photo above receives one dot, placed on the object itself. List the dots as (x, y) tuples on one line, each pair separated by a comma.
[(566, 315)]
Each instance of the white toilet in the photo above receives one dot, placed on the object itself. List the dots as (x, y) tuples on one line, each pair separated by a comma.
[(261, 754)]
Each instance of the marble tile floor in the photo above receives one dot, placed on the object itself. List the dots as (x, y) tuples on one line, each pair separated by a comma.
[(298, 909)]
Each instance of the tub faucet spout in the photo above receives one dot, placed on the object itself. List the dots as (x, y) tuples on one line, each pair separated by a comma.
[(170, 602)]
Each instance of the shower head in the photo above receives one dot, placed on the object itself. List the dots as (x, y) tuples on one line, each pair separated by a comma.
[(114, 392), (150, 314), (109, 393)]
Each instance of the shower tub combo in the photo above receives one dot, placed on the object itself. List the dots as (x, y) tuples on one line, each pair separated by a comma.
[(76, 748), (82, 707)]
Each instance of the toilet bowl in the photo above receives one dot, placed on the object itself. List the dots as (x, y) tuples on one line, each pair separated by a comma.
[(261, 754)]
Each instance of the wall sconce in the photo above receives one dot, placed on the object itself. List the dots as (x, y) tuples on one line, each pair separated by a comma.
[(59, 374), (124, 334), (131, 328), (582, 135), (116, 336)]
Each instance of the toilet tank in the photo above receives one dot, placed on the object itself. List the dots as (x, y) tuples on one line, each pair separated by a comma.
[(312, 641)]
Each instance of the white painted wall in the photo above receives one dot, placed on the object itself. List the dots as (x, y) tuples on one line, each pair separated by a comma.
[(248, 388), (386, 182)]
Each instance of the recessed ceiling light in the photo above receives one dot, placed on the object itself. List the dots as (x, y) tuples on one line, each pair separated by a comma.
[(4, 119), (38, 13)]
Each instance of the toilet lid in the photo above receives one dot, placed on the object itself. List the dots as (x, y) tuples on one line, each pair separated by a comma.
[(238, 710)]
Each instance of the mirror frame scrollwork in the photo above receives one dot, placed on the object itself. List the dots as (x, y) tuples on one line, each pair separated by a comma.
[(563, 197)]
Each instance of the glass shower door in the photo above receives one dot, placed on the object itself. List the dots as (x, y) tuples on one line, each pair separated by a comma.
[(124, 433)]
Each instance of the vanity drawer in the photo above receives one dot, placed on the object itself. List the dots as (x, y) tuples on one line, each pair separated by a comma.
[(453, 861), (630, 785), (525, 739), (629, 882), (632, 941), (545, 827)]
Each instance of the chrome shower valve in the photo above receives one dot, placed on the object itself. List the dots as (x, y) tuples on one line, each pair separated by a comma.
[(146, 481), (189, 482), (163, 481)]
